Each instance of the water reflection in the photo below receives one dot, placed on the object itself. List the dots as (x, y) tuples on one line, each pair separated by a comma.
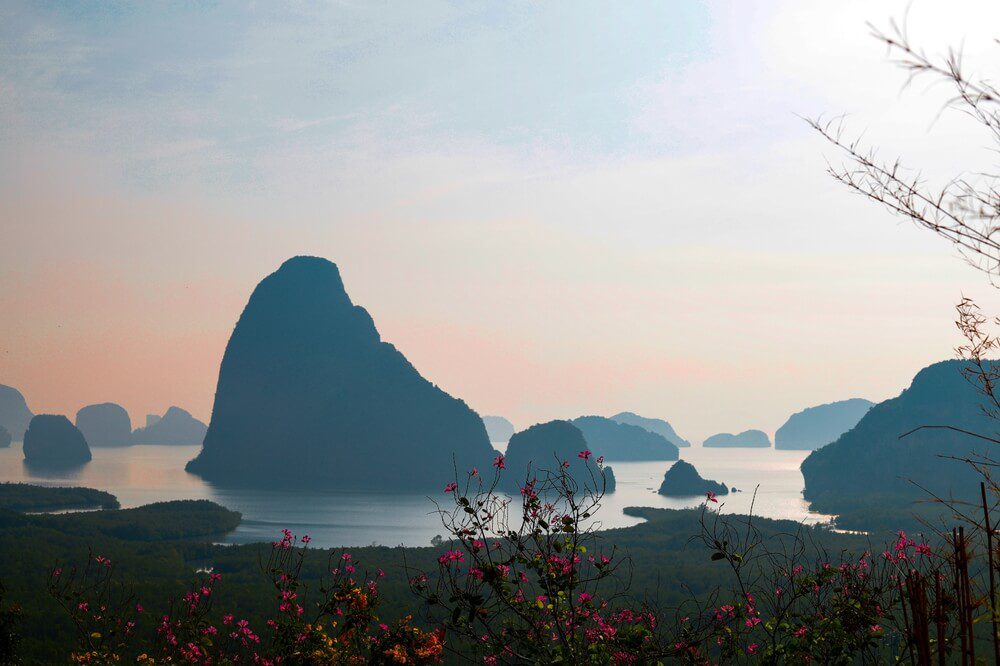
[(50, 470), (140, 475)]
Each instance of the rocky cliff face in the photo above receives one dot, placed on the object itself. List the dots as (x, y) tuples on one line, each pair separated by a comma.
[(814, 427), (682, 479), (5, 438), (176, 427), (106, 424), (309, 394), (52, 440), (14, 413), (874, 463), (545, 448)]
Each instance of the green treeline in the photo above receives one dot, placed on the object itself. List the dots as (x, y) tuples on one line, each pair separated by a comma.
[(26, 497)]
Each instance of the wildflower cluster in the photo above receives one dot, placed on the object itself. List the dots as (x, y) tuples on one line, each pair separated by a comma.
[(341, 627), (525, 582)]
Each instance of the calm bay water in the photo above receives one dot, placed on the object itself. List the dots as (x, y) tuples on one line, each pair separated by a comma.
[(139, 475)]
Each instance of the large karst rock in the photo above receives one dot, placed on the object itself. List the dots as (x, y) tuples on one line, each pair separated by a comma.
[(52, 440), (14, 413), (814, 427), (176, 427), (621, 441), (106, 424), (544, 448), (659, 426), (682, 479), (309, 394), (874, 464), (5, 438), (748, 439)]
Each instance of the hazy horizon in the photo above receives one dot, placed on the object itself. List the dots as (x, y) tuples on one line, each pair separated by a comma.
[(552, 210)]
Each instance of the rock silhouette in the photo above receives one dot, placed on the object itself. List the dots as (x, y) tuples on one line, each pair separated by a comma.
[(659, 426), (176, 427), (105, 424), (51, 440), (543, 448), (874, 464), (748, 439), (682, 479), (5, 438), (309, 394), (620, 441), (498, 428), (814, 427), (14, 413)]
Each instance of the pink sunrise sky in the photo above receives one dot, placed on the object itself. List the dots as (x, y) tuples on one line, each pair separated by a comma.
[(551, 210)]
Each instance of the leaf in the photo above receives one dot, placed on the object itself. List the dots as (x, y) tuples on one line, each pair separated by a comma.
[(718, 556)]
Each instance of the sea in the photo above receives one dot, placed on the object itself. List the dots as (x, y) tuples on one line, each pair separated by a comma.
[(769, 482)]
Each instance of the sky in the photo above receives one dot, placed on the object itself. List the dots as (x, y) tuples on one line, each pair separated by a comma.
[(552, 209)]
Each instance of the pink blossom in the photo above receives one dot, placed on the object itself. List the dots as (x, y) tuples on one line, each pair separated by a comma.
[(584, 454), (752, 648), (450, 488), (711, 497), (498, 462)]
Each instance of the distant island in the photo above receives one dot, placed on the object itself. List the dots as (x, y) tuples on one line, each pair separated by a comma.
[(105, 424), (874, 464), (14, 413), (176, 427), (682, 479), (544, 449), (814, 427), (498, 428), (51, 440), (5, 438), (659, 426), (620, 441), (748, 439), (309, 394)]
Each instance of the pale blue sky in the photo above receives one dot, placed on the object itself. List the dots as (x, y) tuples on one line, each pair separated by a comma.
[(552, 209)]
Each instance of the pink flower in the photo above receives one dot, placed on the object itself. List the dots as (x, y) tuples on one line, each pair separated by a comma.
[(711, 497), (875, 628), (801, 631), (450, 488), (752, 648), (584, 454), (584, 598), (306, 538), (474, 472), (498, 462)]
